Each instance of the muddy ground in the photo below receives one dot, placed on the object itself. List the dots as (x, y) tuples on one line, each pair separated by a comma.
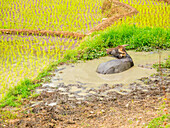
[(54, 108)]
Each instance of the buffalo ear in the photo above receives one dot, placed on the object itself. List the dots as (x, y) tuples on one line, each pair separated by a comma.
[(125, 45), (121, 50)]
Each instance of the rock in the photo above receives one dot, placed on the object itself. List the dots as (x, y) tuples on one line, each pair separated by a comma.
[(127, 105), (50, 90), (104, 19), (52, 104), (91, 90), (101, 99), (71, 99), (45, 86), (36, 104), (80, 98), (70, 122), (60, 69), (62, 89), (48, 85), (104, 94), (104, 87), (103, 111), (38, 91), (92, 93), (77, 91), (78, 102), (91, 112), (92, 116), (72, 66)]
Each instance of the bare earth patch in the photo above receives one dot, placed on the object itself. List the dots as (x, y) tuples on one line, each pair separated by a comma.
[(167, 1), (119, 113)]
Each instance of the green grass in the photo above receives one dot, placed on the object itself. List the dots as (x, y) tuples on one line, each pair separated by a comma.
[(14, 95), (158, 122), (5, 115)]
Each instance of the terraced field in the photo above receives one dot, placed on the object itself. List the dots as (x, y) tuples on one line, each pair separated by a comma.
[(26, 55), (60, 15)]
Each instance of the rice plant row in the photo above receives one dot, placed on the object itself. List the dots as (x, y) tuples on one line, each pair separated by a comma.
[(58, 15), (151, 13), (25, 57)]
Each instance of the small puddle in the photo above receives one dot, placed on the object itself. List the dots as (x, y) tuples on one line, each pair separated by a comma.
[(85, 73)]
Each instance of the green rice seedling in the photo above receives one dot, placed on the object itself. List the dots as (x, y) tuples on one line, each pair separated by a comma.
[(26, 57), (45, 15), (152, 13)]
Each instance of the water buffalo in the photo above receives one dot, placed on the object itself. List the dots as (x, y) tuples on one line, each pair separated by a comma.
[(122, 63)]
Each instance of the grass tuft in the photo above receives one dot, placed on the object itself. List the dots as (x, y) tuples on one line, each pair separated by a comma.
[(166, 64), (14, 95), (160, 122)]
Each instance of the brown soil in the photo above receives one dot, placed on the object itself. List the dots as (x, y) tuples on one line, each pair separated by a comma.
[(114, 7), (167, 1), (115, 10), (42, 33), (110, 8), (124, 112)]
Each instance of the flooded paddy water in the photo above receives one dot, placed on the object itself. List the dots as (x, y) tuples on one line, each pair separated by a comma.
[(86, 72)]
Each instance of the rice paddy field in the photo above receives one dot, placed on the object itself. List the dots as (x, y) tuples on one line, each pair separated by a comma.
[(26, 56), (151, 13), (60, 15)]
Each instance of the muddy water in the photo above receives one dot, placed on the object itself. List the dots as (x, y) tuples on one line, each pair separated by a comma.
[(85, 73)]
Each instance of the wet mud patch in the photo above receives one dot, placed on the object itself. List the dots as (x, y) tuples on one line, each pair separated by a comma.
[(109, 8)]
